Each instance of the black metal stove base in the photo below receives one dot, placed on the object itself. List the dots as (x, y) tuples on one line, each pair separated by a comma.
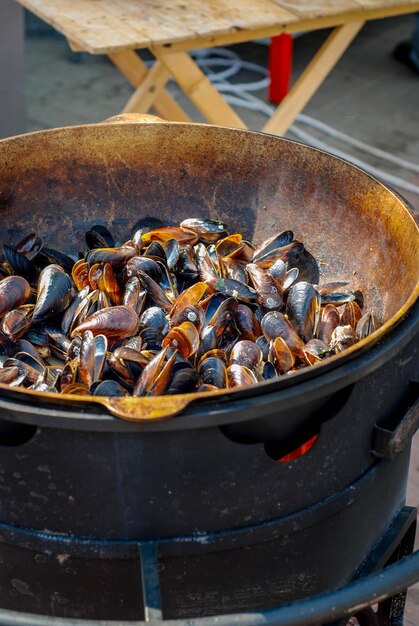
[(386, 587), (397, 543)]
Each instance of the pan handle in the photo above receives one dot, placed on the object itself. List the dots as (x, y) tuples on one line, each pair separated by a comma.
[(134, 118), (387, 443), (144, 409)]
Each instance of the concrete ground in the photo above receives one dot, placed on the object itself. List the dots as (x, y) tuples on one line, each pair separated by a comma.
[(368, 95)]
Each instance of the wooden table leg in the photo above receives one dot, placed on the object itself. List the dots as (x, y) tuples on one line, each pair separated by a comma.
[(198, 88), (312, 77), (145, 95), (135, 71)]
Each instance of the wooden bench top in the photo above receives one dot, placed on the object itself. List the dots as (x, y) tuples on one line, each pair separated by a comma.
[(106, 26)]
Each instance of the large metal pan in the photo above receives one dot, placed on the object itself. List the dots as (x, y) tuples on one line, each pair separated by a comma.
[(60, 182)]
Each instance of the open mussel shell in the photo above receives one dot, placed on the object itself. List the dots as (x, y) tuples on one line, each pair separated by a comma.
[(231, 268), (351, 314), (171, 249), (207, 229), (35, 362), (331, 287), (108, 388), (153, 317), (235, 289), (108, 284), (121, 371), (278, 271), (154, 292), (189, 297), (15, 324), (275, 324), (115, 323), (246, 353), (23, 345), (184, 380), (127, 353), (315, 350), (337, 298), (155, 250), (213, 371), (87, 359), (267, 288), (182, 235), (240, 376), (70, 312), (205, 266), (49, 256), (247, 323), (302, 309), (268, 371), (273, 243), (14, 291), (156, 376), (329, 319), (29, 369), (224, 316), (11, 375), (95, 275), (229, 244), (54, 292), (366, 325), (216, 352), (144, 225), (210, 305), (81, 274), (30, 246), (134, 296), (143, 264), (184, 338), (342, 337), (117, 257), (192, 314), (19, 263), (290, 277), (99, 237), (281, 356)]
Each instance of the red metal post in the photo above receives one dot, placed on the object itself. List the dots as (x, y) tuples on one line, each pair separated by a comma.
[(280, 67)]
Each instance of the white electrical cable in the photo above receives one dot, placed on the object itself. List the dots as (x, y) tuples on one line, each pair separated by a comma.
[(239, 94), (390, 178), (357, 143)]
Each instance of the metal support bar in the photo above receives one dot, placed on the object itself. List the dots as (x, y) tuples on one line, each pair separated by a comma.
[(151, 584)]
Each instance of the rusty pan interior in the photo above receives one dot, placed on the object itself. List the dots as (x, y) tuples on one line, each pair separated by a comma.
[(62, 181)]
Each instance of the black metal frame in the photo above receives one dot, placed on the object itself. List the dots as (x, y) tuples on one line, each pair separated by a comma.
[(387, 587)]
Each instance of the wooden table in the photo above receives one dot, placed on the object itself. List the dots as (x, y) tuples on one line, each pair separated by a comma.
[(172, 28)]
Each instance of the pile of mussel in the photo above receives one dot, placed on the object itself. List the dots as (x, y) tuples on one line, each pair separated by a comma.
[(176, 309)]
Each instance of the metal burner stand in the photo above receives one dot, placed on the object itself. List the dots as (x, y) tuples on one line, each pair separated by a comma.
[(383, 587)]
